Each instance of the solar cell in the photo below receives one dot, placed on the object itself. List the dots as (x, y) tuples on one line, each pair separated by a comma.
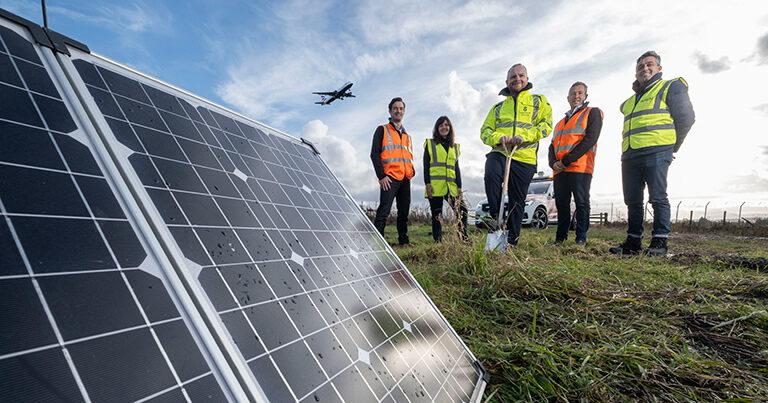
[(86, 314), (311, 297)]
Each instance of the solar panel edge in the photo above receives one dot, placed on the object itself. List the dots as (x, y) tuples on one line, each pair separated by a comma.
[(92, 131)]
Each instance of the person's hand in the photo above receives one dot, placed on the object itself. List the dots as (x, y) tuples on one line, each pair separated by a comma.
[(505, 140), (384, 183), (516, 141), (558, 167), (429, 190)]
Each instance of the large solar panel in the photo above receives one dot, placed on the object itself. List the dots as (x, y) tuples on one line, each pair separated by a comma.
[(237, 245), (86, 308)]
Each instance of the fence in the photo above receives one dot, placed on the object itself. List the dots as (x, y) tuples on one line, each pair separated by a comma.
[(693, 211)]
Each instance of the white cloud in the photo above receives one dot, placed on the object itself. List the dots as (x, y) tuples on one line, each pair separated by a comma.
[(136, 17), (346, 161), (450, 59)]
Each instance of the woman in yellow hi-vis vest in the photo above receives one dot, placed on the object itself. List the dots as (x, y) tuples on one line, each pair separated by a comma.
[(442, 176)]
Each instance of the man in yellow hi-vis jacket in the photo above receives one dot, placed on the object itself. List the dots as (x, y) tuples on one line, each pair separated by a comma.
[(521, 119)]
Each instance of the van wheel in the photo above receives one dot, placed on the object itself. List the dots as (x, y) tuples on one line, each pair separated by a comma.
[(539, 219)]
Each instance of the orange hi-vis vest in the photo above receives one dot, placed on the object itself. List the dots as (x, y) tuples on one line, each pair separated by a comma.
[(396, 154), (567, 134)]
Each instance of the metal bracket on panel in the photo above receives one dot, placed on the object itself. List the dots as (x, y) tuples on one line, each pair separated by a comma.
[(60, 42), (44, 36), (481, 368), (311, 145)]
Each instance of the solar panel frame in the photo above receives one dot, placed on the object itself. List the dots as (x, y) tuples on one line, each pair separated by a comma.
[(127, 211), (155, 217)]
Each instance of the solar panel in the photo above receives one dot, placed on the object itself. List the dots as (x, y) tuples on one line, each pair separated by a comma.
[(251, 271), (87, 310)]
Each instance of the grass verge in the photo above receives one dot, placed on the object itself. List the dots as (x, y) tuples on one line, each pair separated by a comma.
[(575, 323)]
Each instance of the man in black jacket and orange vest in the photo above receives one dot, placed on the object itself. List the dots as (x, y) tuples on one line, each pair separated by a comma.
[(572, 159), (392, 157)]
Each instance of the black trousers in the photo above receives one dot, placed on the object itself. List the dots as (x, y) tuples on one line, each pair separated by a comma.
[(520, 175), (576, 184), (436, 206), (400, 191)]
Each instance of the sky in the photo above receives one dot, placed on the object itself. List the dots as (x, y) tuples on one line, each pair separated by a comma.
[(264, 59)]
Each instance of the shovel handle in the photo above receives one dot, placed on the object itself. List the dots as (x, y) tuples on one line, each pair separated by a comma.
[(504, 185)]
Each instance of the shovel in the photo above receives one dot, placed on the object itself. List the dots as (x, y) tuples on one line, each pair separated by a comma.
[(497, 240)]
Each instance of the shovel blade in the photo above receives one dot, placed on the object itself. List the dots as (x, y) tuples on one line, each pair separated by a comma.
[(496, 240)]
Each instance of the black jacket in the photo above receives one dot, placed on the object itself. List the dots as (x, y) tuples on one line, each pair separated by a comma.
[(591, 134), (679, 104)]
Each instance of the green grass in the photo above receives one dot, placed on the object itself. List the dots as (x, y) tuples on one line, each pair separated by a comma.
[(575, 323)]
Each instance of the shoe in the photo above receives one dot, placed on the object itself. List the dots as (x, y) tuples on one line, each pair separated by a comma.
[(658, 247), (631, 246), (558, 242), (581, 241)]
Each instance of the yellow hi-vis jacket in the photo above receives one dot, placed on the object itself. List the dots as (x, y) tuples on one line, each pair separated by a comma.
[(647, 121), (442, 168), (528, 116)]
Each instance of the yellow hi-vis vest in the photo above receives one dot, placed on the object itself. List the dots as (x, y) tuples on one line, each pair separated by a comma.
[(528, 116), (647, 121), (442, 169)]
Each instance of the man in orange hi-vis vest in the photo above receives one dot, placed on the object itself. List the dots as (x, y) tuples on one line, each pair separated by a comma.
[(572, 159), (392, 157)]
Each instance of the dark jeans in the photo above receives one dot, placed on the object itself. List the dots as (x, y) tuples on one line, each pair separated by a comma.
[(635, 174), (436, 206), (520, 175), (400, 190), (576, 184)]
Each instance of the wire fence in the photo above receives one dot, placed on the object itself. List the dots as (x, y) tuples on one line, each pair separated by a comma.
[(692, 211)]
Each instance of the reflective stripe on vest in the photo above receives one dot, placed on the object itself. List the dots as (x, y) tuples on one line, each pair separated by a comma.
[(569, 133), (647, 121), (396, 154), (442, 168)]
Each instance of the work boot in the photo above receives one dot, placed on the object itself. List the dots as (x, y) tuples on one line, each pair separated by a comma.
[(631, 246), (658, 247), (581, 241)]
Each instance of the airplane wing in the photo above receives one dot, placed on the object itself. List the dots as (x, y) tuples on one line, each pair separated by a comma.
[(326, 93)]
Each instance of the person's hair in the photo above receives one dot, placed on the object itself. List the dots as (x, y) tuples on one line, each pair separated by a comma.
[(650, 53), (396, 99), (577, 83), (436, 134)]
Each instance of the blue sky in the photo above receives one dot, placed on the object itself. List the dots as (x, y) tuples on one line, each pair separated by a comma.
[(449, 57)]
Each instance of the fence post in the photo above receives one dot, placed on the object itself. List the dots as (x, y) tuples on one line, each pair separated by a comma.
[(705, 210), (739, 220), (677, 210), (611, 212), (724, 216), (690, 220)]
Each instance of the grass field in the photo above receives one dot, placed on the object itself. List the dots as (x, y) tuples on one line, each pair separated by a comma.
[(570, 323)]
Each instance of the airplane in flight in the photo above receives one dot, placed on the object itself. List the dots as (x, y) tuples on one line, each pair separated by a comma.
[(327, 97)]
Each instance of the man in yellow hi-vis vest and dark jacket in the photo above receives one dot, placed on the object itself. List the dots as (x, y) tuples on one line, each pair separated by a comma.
[(572, 159), (656, 120), (521, 119), (442, 176), (392, 157)]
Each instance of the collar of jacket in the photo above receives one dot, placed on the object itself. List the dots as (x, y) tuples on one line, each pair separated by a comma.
[(400, 130), (576, 109), (507, 93), (636, 85)]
